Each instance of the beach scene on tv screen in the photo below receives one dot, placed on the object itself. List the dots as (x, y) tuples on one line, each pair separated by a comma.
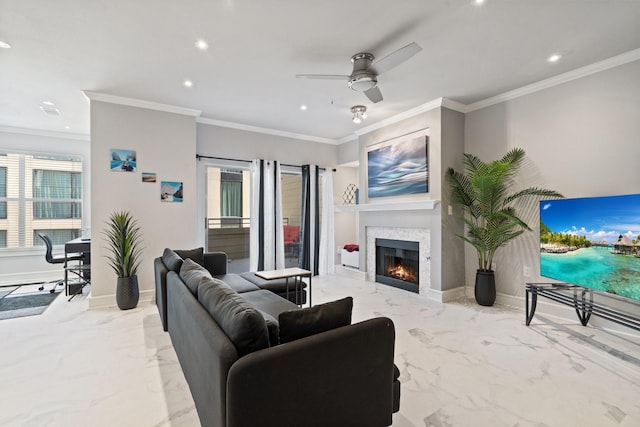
[(592, 242)]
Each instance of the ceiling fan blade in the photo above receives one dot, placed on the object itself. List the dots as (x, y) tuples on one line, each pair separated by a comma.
[(396, 58), (322, 76), (374, 94)]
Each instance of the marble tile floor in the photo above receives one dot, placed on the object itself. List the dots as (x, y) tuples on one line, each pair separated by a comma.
[(461, 365)]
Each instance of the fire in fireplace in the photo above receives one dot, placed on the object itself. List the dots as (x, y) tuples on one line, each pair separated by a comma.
[(397, 263)]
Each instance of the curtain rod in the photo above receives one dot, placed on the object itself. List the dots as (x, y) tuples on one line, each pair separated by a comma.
[(198, 157)]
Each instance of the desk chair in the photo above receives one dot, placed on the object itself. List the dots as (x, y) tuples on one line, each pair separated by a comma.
[(57, 259), (291, 240)]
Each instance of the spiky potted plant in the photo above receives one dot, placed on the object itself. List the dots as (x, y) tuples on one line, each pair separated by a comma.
[(485, 193), (124, 239)]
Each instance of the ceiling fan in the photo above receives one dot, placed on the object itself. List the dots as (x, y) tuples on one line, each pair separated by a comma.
[(364, 77)]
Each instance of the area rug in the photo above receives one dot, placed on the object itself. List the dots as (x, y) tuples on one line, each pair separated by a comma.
[(21, 301)]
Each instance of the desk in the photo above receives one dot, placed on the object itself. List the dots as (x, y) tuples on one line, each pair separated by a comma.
[(287, 273), (82, 269)]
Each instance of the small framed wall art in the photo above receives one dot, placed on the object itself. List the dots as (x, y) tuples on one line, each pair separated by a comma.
[(148, 177), (123, 160), (171, 192)]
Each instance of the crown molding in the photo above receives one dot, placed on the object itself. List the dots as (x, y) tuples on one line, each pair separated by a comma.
[(47, 133), (578, 73), (454, 105), (431, 105), (348, 138), (132, 102), (257, 129)]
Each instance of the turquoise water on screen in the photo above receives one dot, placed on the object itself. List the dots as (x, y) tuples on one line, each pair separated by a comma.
[(595, 268)]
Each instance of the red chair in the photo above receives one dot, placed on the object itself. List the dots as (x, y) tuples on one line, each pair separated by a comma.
[(291, 239)]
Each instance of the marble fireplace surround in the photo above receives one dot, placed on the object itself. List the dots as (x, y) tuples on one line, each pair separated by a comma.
[(420, 235)]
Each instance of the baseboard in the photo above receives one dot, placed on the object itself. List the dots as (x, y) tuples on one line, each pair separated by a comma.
[(446, 296), (106, 301), (30, 277), (350, 272)]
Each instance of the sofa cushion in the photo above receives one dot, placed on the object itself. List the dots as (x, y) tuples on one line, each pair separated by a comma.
[(192, 274), (237, 283), (278, 286), (268, 302), (272, 327), (171, 260), (296, 324), (243, 324), (196, 254)]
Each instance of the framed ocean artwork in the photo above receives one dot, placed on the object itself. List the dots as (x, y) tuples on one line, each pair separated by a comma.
[(123, 160), (398, 167), (171, 191)]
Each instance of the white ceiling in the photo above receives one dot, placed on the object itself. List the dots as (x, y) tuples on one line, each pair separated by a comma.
[(144, 49)]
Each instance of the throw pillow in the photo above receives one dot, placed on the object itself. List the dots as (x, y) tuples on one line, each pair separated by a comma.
[(171, 260), (296, 324), (241, 323), (272, 327), (196, 254), (192, 275)]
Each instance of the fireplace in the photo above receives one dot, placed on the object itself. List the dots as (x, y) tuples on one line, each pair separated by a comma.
[(397, 264)]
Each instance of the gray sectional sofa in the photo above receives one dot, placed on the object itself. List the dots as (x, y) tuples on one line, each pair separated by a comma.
[(216, 264), (253, 358)]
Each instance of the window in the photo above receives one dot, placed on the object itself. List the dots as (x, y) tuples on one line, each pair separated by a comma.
[(62, 191), (3, 193), (39, 194), (58, 237), (231, 193)]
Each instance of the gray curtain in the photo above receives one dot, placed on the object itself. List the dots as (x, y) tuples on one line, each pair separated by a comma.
[(310, 228), (65, 186)]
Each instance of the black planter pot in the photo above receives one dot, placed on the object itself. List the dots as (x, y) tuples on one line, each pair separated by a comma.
[(127, 292), (485, 289)]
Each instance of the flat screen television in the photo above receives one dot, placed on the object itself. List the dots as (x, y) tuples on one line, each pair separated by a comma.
[(592, 242)]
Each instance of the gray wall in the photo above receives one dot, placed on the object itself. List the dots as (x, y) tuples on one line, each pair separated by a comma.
[(165, 143), (445, 145), (581, 139), (244, 145), (349, 152), (451, 149)]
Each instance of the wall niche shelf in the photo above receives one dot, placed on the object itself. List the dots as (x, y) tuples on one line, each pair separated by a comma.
[(382, 207)]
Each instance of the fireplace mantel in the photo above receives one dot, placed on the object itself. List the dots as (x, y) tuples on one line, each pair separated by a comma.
[(381, 207)]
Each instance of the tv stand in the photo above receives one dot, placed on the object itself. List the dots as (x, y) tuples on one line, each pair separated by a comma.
[(581, 299)]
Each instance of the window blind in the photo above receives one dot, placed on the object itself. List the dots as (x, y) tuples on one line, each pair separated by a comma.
[(42, 194)]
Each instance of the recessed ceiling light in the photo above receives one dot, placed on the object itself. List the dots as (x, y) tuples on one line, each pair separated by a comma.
[(48, 103), (202, 45), (554, 58), (67, 127), (478, 2), (49, 110), (4, 45), (188, 83), (303, 107)]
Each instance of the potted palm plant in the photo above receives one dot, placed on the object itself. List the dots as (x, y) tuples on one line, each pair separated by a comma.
[(124, 238), (485, 193)]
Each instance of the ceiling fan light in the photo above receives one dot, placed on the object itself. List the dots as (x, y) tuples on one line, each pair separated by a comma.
[(362, 82), (359, 113)]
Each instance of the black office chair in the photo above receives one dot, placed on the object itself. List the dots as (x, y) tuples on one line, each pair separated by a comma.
[(57, 259)]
